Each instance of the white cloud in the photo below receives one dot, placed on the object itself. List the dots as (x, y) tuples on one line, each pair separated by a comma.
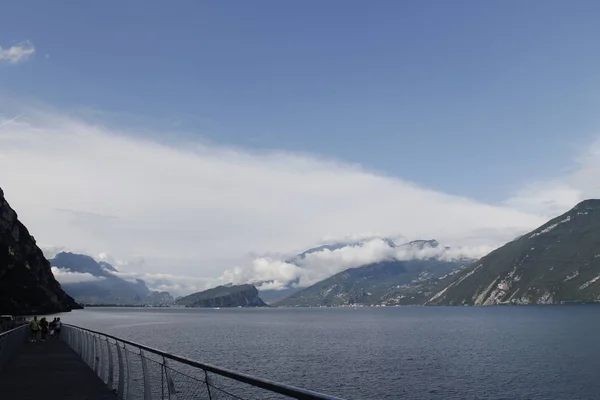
[(17, 53), (318, 265), (195, 210), (65, 276), (547, 198), (52, 251), (176, 285)]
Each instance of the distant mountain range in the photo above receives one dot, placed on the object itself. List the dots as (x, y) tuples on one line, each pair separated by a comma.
[(108, 288), (387, 282), (555, 263), (559, 262)]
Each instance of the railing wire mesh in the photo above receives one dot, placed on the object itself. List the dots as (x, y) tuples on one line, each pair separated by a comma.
[(10, 342), (135, 372)]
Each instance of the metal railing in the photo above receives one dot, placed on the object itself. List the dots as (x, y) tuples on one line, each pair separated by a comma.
[(135, 371), (10, 342), (7, 325)]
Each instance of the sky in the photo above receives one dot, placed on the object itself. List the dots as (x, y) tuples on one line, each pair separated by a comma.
[(190, 140)]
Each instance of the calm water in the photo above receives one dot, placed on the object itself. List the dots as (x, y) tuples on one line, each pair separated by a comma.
[(547, 352)]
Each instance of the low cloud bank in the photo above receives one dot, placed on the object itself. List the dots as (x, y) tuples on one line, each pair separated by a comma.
[(65, 276), (274, 274), (196, 209), (176, 285)]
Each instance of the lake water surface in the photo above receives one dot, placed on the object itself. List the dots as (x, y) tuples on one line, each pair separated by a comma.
[(536, 352)]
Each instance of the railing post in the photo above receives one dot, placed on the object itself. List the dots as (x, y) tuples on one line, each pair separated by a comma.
[(81, 344), (73, 338), (89, 350), (96, 356), (111, 369), (121, 389), (171, 392), (86, 347), (207, 384), (147, 389), (129, 376), (79, 341), (3, 348)]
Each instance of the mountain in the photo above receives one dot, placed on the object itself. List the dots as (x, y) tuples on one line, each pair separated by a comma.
[(159, 299), (27, 285), (557, 262), (107, 266), (224, 296), (80, 263), (107, 288), (336, 246), (272, 296), (389, 282)]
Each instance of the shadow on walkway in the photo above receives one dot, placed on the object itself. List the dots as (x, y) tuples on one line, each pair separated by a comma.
[(50, 370)]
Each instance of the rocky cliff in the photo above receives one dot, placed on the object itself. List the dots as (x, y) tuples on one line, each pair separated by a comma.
[(27, 285), (159, 299), (224, 296), (559, 262)]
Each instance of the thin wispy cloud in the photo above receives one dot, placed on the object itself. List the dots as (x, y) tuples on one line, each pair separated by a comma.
[(197, 210), (4, 122), (555, 196), (177, 285), (17, 53)]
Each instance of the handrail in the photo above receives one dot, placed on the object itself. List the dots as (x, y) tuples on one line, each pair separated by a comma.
[(10, 341), (12, 330), (276, 387)]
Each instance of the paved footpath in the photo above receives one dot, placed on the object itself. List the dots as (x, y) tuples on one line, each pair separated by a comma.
[(50, 370)]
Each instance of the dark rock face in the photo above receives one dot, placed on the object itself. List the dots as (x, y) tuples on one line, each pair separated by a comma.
[(555, 263), (159, 299), (81, 263), (27, 285), (224, 296), (271, 296)]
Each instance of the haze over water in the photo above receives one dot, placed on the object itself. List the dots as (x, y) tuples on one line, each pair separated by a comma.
[(546, 352)]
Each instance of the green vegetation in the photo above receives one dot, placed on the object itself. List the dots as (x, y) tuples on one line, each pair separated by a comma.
[(224, 296), (388, 282), (557, 262)]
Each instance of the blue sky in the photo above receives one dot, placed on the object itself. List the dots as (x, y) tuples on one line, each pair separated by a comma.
[(169, 135), (452, 95)]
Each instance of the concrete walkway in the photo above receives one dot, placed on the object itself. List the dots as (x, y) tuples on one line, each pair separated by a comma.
[(50, 370)]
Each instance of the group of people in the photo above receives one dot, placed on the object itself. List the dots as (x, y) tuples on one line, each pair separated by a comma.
[(44, 328)]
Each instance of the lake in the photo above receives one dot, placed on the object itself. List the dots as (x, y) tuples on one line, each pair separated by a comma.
[(520, 352)]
